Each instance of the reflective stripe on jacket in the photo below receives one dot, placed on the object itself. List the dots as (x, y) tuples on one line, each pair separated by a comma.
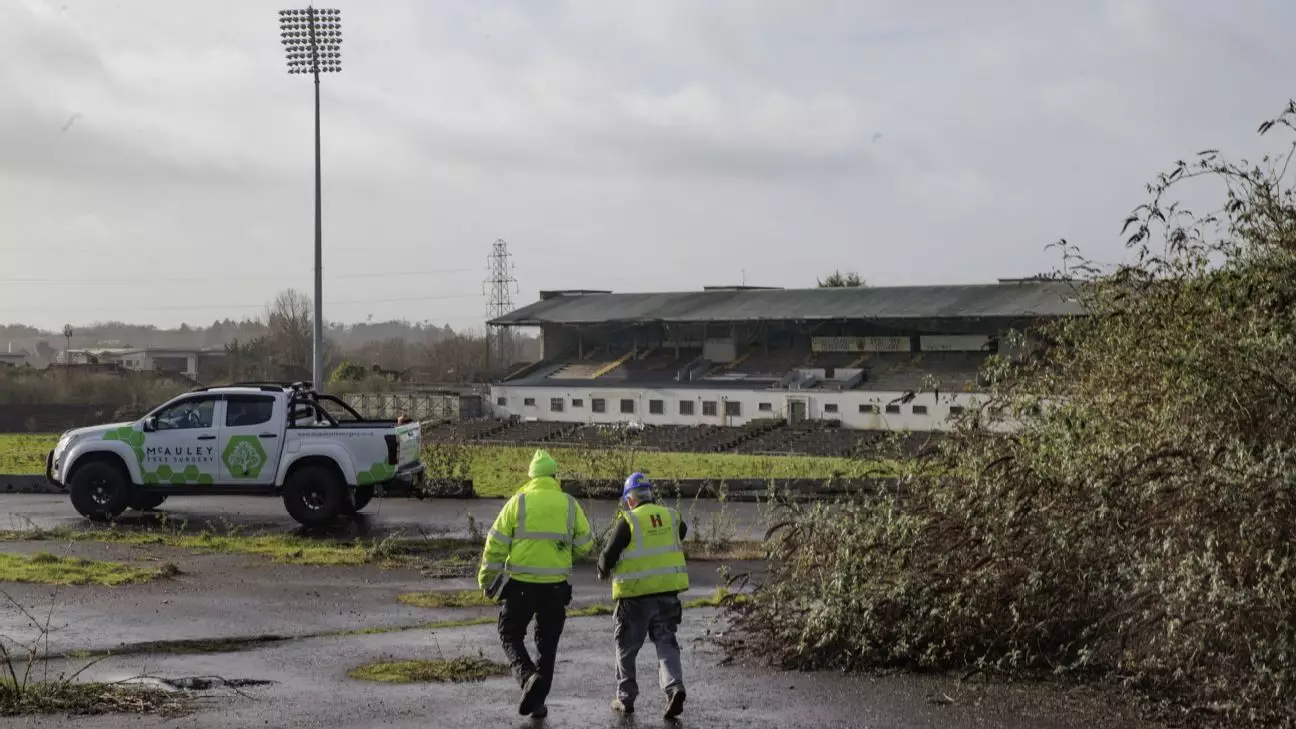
[(654, 562), (536, 535)]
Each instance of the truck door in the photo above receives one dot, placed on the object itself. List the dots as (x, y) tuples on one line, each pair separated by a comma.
[(250, 439), (180, 442)]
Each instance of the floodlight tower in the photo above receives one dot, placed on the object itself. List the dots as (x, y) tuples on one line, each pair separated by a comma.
[(312, 39)]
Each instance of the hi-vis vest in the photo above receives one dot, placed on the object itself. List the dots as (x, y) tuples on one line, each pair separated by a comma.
[(653, 562)]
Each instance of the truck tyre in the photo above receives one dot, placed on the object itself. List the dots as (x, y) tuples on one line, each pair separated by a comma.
[(314, 496), (100, 491), (144, 501), (363, 495)]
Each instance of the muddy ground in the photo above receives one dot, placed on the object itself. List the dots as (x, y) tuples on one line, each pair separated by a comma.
[(315, 613)]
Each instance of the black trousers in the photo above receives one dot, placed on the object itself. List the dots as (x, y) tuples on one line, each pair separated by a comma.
[(547, 604)]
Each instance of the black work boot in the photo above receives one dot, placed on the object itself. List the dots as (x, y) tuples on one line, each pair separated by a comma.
[(532, 694), (674, 704), (540, 712), (623, 706)]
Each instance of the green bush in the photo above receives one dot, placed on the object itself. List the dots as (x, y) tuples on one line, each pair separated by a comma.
[(1137, 524)]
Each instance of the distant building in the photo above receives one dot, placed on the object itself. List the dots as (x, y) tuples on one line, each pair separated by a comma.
[(13, 359), (196, 364)]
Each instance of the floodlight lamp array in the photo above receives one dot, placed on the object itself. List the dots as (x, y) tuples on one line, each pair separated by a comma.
[(312, 39)]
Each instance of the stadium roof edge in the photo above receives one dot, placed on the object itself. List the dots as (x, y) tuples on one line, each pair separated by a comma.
[(1032, 299)]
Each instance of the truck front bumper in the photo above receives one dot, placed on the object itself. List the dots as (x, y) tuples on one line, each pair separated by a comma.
[(49, 470)]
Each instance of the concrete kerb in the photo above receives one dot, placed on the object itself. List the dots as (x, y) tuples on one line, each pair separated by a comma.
[(22, 484)]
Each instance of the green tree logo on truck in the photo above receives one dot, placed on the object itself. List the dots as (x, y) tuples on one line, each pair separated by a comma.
[(244, 456)]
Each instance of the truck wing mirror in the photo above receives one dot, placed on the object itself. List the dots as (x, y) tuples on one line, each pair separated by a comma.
[(150, 424)]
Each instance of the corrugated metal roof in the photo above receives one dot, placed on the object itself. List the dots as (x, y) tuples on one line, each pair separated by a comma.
[(1035, 299)]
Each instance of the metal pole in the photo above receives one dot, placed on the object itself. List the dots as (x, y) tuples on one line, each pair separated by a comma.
[(317, 370)]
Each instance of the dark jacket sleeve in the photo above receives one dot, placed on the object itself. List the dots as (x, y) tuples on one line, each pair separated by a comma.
[(616, 544)]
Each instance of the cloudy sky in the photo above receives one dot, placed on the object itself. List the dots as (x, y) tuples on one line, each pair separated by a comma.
[(155, 158)]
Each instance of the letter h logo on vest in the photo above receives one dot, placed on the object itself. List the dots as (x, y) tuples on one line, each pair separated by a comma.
[(656, 521)]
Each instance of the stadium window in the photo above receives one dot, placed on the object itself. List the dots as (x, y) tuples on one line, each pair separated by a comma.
[(919, 409), (956, 410), (627, 406), (598, 405), (555, 404), (708, 408), (656, 407), (529, 402), (765, 407), (577, 402), (686, 407), (893, 409), (733, 408), (830, 407), (502, 401), (868, 409)]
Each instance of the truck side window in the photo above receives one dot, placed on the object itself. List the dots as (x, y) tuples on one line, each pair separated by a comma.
[(187, 414), (243, 410)]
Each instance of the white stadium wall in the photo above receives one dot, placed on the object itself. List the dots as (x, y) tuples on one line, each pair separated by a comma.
[(863, 409)]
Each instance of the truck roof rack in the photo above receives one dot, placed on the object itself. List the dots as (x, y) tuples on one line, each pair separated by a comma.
[(263, 386)]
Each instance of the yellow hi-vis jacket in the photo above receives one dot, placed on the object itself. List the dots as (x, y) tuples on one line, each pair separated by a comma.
[(653, 563), (536, 536)]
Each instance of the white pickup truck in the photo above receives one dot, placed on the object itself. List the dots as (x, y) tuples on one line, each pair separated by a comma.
[(256, 438)]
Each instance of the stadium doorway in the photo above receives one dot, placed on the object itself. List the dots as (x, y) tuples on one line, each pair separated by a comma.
[(796, 408)]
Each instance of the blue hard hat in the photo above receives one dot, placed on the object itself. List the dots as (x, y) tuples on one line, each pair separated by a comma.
[(636, 481)]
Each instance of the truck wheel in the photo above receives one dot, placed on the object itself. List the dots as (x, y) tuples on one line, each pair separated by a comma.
[(314, 496), (363, 495), (99, 491), (144, 501)]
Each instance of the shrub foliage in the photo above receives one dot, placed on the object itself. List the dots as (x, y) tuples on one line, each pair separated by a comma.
[(1137, 524)]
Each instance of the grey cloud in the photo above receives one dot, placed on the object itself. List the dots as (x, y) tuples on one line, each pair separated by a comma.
[(637, 144)]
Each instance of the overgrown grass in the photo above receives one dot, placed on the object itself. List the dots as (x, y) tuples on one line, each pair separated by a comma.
[(52, 569), (446, 599), (438, 670), (73, 698), (22, 454), (283, 548)]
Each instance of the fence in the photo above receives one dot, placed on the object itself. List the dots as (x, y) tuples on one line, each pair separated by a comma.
[(417, 405)]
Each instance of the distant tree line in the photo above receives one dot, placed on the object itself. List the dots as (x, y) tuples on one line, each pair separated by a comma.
[(278, 344)]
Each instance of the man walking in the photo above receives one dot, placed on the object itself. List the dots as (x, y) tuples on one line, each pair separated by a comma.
[(526, 563), (645, 557)]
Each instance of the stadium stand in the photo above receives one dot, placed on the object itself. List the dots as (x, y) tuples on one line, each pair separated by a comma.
[(728, 356)]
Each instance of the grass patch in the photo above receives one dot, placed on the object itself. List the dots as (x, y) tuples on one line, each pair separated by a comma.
[(22, 453), (51, 569), (283, 548), (721, 596), (589, 611), (72, 698), (454, 670), (446, 599)]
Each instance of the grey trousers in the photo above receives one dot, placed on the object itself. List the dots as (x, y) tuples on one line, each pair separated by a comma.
[(657, 619)]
